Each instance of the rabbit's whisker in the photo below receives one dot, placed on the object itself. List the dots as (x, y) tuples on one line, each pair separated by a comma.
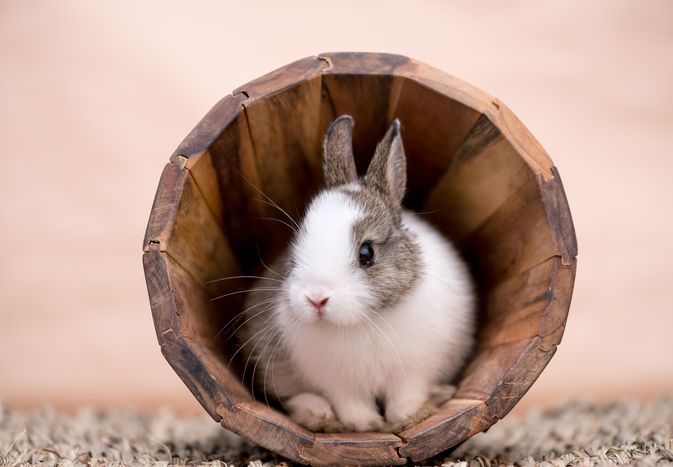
[(240, 314), (259, 256), (258, 289), (278, 220), (242, 277), (273, 203), (249, 340), (269, 328), (294, 222), (259, 357)]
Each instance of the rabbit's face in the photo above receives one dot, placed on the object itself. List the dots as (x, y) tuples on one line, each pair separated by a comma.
[(324, 282), (352, 258)]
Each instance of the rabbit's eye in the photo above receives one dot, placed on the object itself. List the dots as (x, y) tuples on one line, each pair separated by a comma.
[(366, 254)]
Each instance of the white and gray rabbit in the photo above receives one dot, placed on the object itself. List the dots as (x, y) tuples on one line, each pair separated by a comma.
[(369, 307)]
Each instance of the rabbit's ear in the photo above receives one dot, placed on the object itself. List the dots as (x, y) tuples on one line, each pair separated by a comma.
[(338, 161), (388, 169)]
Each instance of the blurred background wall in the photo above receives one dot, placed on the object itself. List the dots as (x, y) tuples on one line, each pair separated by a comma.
[(95, 96)]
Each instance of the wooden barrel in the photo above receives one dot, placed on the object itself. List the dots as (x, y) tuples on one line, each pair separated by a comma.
[(473, 169)]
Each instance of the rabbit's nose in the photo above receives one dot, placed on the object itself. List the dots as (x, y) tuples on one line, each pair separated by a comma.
[(317, 301)]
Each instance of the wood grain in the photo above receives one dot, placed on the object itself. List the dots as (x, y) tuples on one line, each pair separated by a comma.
[(448, 85), (357, 449), (530, 304), (165, 205), (242, 209), (483, 173), (286, 140), (183, 225), (529, 148), (268, 428), (210, 127), (273, 430), (202, 170), (559, 217), (456, 419), (489, 366), (168, 299), (431, 137), (516, 237)]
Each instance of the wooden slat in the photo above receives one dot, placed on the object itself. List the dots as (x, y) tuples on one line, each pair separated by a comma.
[(448, 85), (210, 386), (487, 369), (516, 237), (199, 318), (275, 431), (356, 449), (165, 206), (180, 355), (431, 136), (533, 303), (489, 366), (502, 117), (501, 375), (163, 308), (202, 170), (523, 141), (287, 142), (362, 63), (234, 163), (269, 429), (197, 241), (281, 113), (533, 225), (184, 226), (559, 217), (202, 319), (210, 127), (282, 110), (518, 379), (455, 421), (282, 79), (484, 172), (227, 381)]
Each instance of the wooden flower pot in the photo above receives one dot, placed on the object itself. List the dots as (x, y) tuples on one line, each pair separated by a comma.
[(474, 169)]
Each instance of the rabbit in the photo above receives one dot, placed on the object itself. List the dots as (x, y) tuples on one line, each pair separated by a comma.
[(369, 307)]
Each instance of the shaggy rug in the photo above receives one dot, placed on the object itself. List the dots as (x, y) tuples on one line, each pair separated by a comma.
[(578, 433)]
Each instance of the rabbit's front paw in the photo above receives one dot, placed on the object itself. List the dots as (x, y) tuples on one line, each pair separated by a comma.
[(359, 416), (310, 411)]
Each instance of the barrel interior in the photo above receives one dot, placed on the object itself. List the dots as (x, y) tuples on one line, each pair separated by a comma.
[(466, 175)]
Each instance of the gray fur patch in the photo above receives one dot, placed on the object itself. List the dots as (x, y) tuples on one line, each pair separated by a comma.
[(396, 268), (338, 161), (388, 169), (397, 260)]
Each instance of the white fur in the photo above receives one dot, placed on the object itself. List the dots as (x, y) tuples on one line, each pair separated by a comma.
[(310, 410), (323, 255), (352, 357)]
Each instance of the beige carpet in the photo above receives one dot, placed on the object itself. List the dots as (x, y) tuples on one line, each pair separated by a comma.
[(574, 434)]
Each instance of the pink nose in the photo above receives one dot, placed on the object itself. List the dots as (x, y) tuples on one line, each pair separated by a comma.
[(318, 303)]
